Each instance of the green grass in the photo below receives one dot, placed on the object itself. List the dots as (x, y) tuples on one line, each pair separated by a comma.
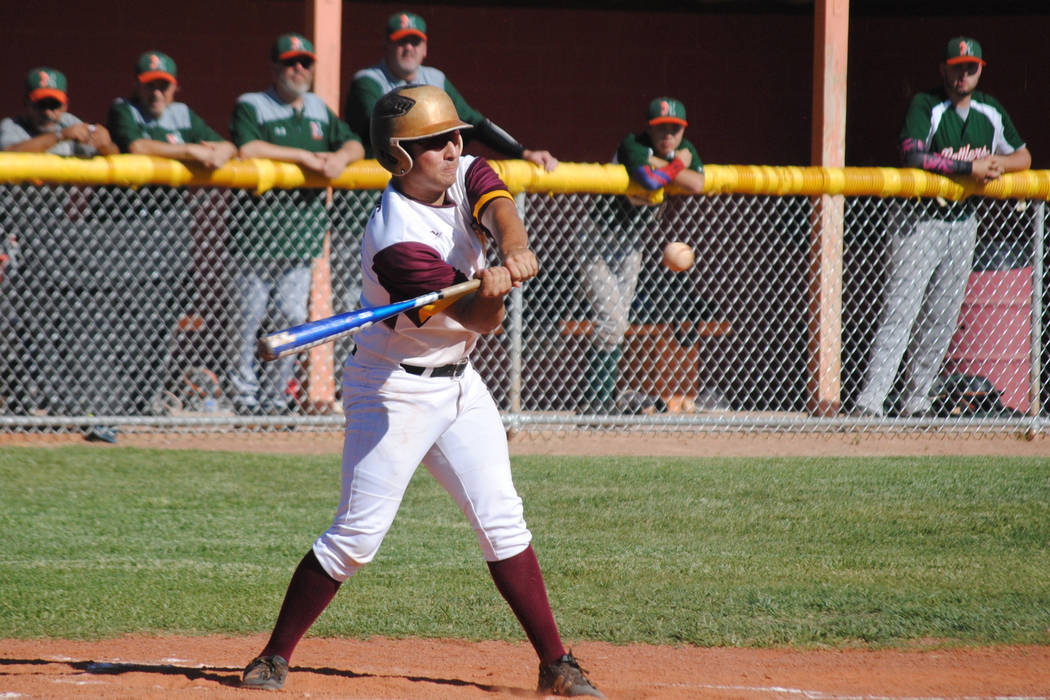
[(734, 552)]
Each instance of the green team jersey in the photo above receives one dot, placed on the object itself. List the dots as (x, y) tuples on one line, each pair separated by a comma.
[(369, 84), (634, 153), (986, 130), (127, 123), (636, 149), (285, 224)]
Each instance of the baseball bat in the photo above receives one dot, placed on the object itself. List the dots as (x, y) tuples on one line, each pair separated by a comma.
[(324, 330)]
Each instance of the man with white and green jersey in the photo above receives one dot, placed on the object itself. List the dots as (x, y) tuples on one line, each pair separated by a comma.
[(952, 130), (406, 49), (282, 230), (155, 224), (151, 122), (609, 247)]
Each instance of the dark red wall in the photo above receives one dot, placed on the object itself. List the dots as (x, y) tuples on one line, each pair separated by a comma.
[(571, 80)]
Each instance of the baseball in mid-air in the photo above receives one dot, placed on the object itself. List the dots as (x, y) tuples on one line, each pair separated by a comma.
[(678, 256)]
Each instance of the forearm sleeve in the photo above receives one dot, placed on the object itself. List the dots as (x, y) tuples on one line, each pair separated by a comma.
[(497, 139), (915, 154), (654, 178)]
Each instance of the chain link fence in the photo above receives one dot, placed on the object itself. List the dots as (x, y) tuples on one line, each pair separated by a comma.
[(126, 307)]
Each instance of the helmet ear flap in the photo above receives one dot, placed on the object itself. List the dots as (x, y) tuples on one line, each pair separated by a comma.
[(395, 158)]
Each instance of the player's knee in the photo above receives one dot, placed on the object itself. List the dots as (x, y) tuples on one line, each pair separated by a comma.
[(503, 542), (340, 557)]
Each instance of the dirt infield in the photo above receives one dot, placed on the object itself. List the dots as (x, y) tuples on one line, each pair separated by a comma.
[(209, 667), (592, 443)]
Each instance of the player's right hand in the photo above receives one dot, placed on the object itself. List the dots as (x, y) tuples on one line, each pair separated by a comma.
[(79, 132), (522, 265), (314, 161), (986, 169)]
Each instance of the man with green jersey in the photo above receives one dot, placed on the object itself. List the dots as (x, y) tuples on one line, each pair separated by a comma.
[(156, 222), (283, 230), (151, 122), (406, 49), (952, 130), (609, 247), (46, 126)]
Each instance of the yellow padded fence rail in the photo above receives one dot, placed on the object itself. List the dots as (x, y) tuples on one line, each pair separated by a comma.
[(521, 176)]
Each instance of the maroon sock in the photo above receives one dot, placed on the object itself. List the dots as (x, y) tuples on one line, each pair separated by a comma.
[(520, 582), (309, 593)]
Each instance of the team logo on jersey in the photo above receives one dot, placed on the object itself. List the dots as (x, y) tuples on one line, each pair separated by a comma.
[(315, 131), (967, 152)]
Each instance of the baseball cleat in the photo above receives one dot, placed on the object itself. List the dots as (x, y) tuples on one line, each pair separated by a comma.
[(266, 672), (565, 677)]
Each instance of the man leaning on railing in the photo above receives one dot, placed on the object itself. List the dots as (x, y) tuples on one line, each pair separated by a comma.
[(952, 130)]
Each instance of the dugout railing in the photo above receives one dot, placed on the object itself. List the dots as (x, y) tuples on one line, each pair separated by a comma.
[(117, 299)]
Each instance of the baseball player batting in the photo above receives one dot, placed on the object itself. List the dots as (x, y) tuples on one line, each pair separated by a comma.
[(410, 393)]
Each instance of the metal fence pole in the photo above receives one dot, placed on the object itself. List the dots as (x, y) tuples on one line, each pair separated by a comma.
[(1035, 382), (517, 316)]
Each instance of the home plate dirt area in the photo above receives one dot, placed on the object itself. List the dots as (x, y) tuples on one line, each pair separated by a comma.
[(429, 669)]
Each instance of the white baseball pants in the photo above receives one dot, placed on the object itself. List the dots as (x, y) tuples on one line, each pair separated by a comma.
[(927, 271), (394, 421)]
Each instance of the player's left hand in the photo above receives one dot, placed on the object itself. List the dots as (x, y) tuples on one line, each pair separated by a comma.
[(541, 158), (522, 265), (495, 282)]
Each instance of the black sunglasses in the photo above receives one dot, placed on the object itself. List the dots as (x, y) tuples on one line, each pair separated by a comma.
[(47, 103), (304, 61), (436, 143)]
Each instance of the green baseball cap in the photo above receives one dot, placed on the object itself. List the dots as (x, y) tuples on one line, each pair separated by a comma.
[(291, 45), (46, 82), (963, 49), (402, 24), (667, 110), (154, 65)]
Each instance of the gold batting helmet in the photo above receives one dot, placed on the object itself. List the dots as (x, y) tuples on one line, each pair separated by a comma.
[(406, 114)]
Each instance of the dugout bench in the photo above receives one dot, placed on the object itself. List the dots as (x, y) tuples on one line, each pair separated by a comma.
[(660, 359)]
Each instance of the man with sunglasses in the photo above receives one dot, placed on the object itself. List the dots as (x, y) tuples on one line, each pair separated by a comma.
[(151, 122), (952, 130), (406, 49), (283, 230), (410, 393), (46, 126), (52, 278)]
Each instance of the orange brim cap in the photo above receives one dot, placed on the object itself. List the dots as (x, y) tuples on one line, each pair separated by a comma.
[(43, 93), (669, 120), (402, 33), (292, 54), (150, 76)]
